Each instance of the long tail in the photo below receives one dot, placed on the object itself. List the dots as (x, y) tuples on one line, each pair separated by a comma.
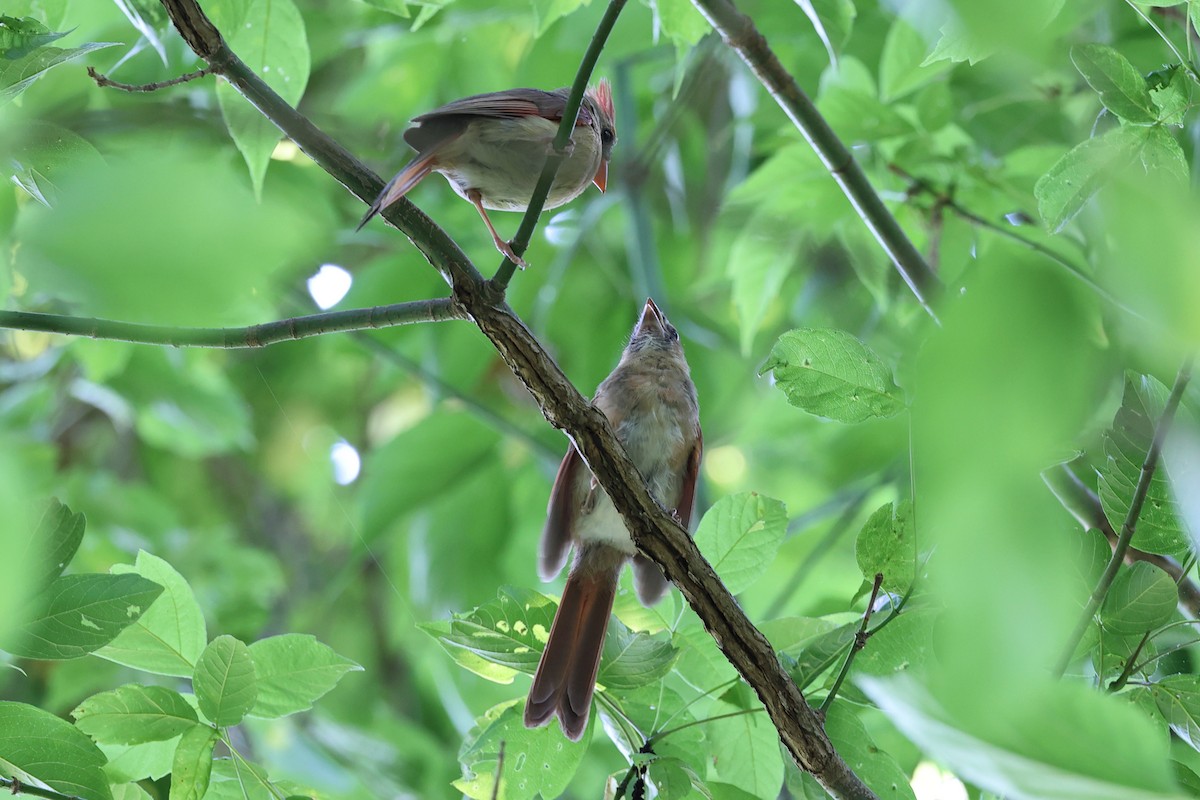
[(566, 675), (397, 187)]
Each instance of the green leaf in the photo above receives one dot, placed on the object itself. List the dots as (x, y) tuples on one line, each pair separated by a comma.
[(1122, 90), (671, 777), (630, 659), (238, 780), (271, 39), (538, 762), (1178, 698), (859, 116), (77, 614), (135, 762), (830, 373), (37, 747), (832, 20), (135, 714), (822, 653), (740, 536), (57, 539), (547, 12), (1050, 745), (900, 64), (763, 253), (414, 467), (225, 681), (906, 643), (680, 22), (498, 639), (293, 671), (1159, 529), (1079, 174), (1173, 96), (878, 770), (20, 37), (1141, 598), (17, 75), (170, 636), (745, 750), (886, 545), (1161, 155), (192, 767)]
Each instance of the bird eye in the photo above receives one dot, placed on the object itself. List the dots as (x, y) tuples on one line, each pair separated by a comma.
[(606, 135), (672, 333)]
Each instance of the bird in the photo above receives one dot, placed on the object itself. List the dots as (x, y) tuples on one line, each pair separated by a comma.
[(650, 401), (491, 148)]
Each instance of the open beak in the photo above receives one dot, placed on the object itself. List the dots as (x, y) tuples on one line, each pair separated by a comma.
[(601, 179), (652, 319)]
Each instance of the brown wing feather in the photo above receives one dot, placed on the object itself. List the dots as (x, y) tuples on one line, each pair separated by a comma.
[(556, 536), (687, 491), (506, 104)]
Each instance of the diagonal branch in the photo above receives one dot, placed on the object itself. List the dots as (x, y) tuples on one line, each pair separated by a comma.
[(1084, 505), (740, 33), (1131, 518), (251, 336), (654, 531)]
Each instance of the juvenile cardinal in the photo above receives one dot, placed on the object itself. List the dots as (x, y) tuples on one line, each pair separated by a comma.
[(491, 147), (651, 403)]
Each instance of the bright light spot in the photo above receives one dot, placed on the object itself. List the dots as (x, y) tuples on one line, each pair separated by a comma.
[(725, 465), (346, 462), (930, 783), (329, 285), (286, 150)]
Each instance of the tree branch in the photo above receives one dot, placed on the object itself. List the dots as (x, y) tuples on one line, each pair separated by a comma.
[(654, 531), (1083, 504), (1131, 518), (104, 80), (251, 336), (860, 641), (740, 33)]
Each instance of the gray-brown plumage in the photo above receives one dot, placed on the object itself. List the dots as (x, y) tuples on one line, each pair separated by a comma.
[(491, 147), (651, 403)]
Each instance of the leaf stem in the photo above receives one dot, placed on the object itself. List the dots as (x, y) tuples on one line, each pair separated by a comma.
[(1128, 669), (860, 641), (556, 156), (20, 787), (251, 336), (1135, 509)]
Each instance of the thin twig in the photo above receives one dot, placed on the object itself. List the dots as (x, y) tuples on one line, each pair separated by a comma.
[(18, 787), (499, 770), (250, 336), (555, 158), (740, 33), (1084, 504), (945, 200), (860, 641), (104, 80), (1131, 518), (1121, 679)]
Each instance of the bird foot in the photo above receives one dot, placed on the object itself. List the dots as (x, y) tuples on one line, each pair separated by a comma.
[(507, 249)]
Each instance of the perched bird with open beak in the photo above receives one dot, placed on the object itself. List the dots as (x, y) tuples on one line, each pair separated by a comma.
[(650, 402), (491, 147)]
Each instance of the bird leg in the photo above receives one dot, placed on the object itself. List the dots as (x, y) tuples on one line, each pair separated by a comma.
[(504, 247)]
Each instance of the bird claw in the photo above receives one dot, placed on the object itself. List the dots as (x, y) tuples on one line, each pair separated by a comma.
[(507, 249)]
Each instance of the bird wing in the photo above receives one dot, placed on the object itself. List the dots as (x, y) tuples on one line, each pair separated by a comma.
[(508, 104), (687, 491), (556, 536)]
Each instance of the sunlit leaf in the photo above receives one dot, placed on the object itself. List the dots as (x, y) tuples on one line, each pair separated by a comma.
[(293, 671), (1141, 598), (135, 714), (886, 545), (1122, 90), (832, 374), (539, 761), (740, 535), (745, 750), (224, 681), (193, 762), (17, 75)]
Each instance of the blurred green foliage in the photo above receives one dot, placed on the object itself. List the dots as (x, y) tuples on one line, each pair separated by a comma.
[(1040, 155)]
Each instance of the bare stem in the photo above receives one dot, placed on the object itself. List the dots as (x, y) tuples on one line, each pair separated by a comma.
[(860, 641), (17, 787), (252, 336), (104, 80)]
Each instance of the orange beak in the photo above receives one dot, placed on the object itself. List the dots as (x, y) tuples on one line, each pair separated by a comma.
[(601, 179)]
